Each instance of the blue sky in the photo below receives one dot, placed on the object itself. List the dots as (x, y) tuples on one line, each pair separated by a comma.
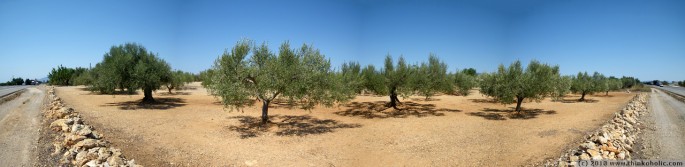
[(645, 39)]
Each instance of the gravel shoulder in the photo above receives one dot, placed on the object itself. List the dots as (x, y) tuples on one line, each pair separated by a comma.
[(19, 127), (664, 136)]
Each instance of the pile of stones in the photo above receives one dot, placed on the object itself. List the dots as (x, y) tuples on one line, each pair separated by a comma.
[(77, 143), (614, 140)]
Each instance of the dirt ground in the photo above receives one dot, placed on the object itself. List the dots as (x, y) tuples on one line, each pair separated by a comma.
[(664, 128), (19, 124), (190, 128)]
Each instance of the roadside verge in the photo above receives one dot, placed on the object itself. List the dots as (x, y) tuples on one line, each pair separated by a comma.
[(613, 141), (77, 143)]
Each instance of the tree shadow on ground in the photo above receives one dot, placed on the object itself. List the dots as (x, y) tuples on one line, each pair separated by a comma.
[(173, 94), (497, 114), (380, 109), (287, 125), (578, 101), (424, 99), (116, 92), (483, 100), (162, 103)]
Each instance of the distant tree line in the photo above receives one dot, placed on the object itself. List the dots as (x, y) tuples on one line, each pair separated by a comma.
[(17, 81), (304, 77)]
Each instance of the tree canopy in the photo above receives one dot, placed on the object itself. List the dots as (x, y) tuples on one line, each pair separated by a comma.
[(465, 80), (130, 66), (301, 75), (431, 77), (177, 79), (586, 84), (392, 80), (514, 84), (61, 76)]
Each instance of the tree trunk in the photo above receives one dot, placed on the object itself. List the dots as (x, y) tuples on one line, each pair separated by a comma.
[(518, 103), (582, 98), (265, 111), (607, 93), (148, 96), (393, 99)]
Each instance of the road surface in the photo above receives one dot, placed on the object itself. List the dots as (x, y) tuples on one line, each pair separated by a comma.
[(664, 137), (677, 90), (6, 90), (19, 124)]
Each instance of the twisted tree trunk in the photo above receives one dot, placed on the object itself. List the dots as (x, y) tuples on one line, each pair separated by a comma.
[(265, 111), (148, 96), (518, 103)]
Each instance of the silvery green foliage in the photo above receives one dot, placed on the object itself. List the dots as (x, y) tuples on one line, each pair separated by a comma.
[(431, 77), (351, 76), (464, 81), (562, 86), (615, 83), (246, 72), (392, 80), (586, 84), (601, 82), (372, 80), (514, 84), (178, 79), (130, 66)]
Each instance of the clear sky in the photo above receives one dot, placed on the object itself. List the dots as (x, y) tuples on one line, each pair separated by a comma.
[(645, 38)]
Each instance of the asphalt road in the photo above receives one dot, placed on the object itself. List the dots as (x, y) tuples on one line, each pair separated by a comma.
[(19, 124), (6, 90), (665, 136), (677, 90)]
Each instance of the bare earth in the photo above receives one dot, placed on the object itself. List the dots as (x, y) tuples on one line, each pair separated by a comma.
[(191, 128), (19, 124), (665, 128)]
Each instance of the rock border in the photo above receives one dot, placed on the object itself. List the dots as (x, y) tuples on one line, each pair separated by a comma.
[(77, 143), (613, 141)]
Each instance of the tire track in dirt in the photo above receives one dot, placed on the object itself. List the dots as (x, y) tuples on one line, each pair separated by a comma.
[(19, 124), (665, 137)]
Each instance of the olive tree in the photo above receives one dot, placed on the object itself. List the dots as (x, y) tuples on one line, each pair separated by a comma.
[(614, 84), (132, 67), (465, 80), (177, 79), (392, 80), (247, 72), (586, 84), (351, 75), (431, 77), (561, 88), (514, 84)]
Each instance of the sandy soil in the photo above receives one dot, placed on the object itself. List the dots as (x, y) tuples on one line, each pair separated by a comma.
[(191, 128), (19, 124)]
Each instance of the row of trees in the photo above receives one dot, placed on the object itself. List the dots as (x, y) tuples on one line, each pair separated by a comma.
[(304, 77), (17, 81), (126, 67)]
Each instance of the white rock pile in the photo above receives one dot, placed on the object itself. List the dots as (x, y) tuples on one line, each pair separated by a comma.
[(614, 140), (77, 143)]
